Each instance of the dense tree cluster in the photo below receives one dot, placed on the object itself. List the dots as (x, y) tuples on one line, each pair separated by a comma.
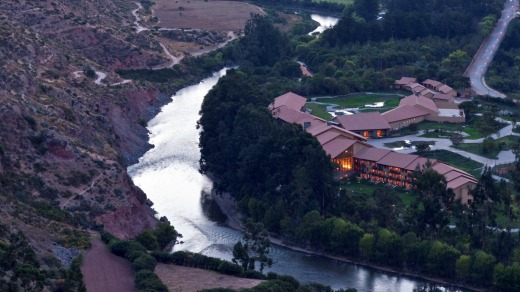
[(273, 169), (281, 177), (409, 19)]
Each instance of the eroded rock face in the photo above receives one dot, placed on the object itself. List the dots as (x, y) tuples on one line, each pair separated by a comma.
[(128, 221), (64, 138)]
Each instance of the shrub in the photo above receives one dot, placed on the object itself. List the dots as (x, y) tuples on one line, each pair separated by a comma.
[(144, 262), (148, 281), (148, 239), (254, 274), (230, 269)]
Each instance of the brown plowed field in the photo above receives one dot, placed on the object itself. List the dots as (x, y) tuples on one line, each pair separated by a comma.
[(210, 15), (104, 272), (179, 278)]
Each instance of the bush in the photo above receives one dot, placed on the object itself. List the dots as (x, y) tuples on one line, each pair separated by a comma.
[(254, 274), (144, 262), (134, 250), (148, 239), (230, 269), (148, 281), (119, 247)]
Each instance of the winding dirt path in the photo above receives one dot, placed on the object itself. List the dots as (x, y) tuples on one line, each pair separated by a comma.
[(174, 60)]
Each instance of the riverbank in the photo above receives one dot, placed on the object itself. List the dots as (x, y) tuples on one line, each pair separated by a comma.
[(229, 207)]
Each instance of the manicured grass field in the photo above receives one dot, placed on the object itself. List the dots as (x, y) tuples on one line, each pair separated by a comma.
[(504, 143), (455, 160), (448, 128), (318, 110), (398, 144), (359, 100), (367, 188)]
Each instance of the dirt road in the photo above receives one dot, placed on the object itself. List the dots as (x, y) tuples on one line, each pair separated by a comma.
[(104, 272)]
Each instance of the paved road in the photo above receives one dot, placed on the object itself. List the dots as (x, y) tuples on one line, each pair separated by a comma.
[(482, 59), (440, 143)]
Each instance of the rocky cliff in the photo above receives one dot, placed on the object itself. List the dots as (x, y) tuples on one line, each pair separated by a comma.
[(66, 133)]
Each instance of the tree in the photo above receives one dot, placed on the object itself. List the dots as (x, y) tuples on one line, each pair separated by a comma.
[(456, 139), (165, 232), (148, 239), (420, 147), (367, 9), (255, 248), (507, 278), (463, 267), (366, 245)]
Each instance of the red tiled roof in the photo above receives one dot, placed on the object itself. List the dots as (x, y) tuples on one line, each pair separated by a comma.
[(427, 92), (293, 116), (305, 71), (419, 100), (405, 80), (337, 146), (318, 130), (445, 89), (419, 162), (444, 168), (442, 96), (371, 154), (363, 121), (431, 82), (453, 184), (416, 87), (403, 113), (289, 99), (396, 159), (451, 175)]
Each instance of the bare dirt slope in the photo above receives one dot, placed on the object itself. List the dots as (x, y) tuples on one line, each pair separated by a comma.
[(179, 278), (103, 271), (210, 15)]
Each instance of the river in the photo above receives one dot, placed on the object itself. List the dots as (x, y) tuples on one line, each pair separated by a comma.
[(169, 175), (325, 22)]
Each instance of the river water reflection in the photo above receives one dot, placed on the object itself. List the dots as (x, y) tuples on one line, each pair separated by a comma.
[(325, 22), (169, 175)]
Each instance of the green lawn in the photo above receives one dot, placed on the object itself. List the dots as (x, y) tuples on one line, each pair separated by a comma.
[(359, 100), (504, 143), (436, 130), (367, 188), (319, 110), (455, 160), (398, 144)]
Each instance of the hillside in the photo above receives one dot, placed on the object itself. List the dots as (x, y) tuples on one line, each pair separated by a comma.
[(69, 126)]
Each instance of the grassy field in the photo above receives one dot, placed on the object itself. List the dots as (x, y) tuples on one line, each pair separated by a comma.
[(367, 188), (436, 130), (359, 100), (318, 110), (504, 143), (398, 144), (455, 160)]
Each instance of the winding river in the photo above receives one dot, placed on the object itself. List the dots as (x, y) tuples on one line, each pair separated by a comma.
[(169, 175)]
